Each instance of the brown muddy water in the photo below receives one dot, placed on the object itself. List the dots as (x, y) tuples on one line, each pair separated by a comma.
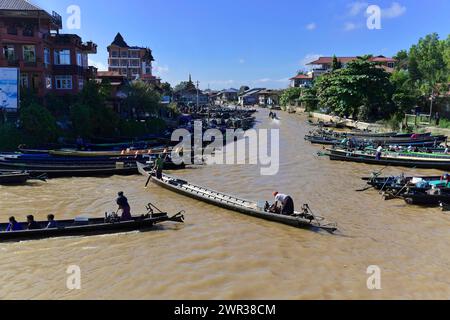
[(219, 254)]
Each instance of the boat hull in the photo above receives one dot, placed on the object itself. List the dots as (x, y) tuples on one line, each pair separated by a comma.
[(229, 202), (70, 228)]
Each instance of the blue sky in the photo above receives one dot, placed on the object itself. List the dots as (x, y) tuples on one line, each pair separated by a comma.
[(259, 43)]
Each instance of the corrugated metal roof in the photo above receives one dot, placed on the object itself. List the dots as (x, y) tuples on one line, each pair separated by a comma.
[(18, 5)]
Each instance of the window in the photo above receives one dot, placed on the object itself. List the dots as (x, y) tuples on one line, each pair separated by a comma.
[(48, 82), (114, 54), (80, 84), (63, 82), (391, 64), (12, 30), (9, 53), (124, 54), (29, 53), (28, 31), (24, 80), (46, 56), (79, 59), (62, 57)]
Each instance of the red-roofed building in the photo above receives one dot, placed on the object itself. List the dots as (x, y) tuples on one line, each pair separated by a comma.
[(48, 62), (301, 81)]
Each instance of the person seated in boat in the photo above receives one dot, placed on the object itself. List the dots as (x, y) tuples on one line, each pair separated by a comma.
[(415, 136), (159, 166), (284, 202), (13, 225), (446, 178), (31, 224), (124, 206), (51, 222)]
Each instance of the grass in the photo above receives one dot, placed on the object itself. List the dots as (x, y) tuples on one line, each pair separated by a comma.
[(444, 124)]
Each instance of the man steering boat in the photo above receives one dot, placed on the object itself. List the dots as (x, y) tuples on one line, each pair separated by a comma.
[(283, 204)]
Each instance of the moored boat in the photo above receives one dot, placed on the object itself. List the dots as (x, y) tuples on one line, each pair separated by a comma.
[(13, 178), (303, 219), (388, 159)]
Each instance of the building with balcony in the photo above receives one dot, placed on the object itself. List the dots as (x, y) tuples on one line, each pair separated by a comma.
[(324, 64), (48, 62), (302, 80), (135, 63), (250, 97)]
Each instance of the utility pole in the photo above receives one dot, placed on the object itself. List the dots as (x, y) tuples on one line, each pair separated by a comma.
[(198, 83)]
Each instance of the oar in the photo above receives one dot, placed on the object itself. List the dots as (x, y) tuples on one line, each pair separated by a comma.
[(365, 189), (149, 178)]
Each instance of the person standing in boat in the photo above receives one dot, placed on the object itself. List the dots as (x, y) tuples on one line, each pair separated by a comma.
[(124, 206), (13, 225), (159, 166), (379, 152), (284, 202)]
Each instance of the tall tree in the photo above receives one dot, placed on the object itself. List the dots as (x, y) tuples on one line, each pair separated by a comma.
[(429, 55), (141, 99), (362, 89), (402, 60), (336, 65)]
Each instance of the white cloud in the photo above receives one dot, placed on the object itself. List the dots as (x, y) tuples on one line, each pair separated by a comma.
[(310, 57), (311, 26), (349, 26), (394, 11), (263, 80), (221, 82), (99, 65), (355, 8)]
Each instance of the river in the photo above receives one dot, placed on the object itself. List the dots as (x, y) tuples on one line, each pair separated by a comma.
[(218, 254)]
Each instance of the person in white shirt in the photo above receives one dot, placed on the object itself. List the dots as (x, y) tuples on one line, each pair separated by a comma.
[(379, 152), (284, 202)]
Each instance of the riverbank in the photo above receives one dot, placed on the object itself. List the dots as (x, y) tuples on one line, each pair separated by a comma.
[(376, 127)]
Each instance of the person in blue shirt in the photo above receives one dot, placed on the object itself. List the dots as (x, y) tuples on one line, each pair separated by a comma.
[(13, 225), (51, 222), (32, 225)]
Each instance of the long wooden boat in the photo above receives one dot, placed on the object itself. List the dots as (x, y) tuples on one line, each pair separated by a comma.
[(76, 153), (401, 161), (72, 171), (398, 185), (13, 178), (88, 227), (299, 220), (368, 135), (323, 140), (424, 199)]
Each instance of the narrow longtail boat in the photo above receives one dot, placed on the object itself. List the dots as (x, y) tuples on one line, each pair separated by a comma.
[(13, 178), (304, 219), (397, 185), (89, 227), (388, 159), (56, 171), (127, 152)]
